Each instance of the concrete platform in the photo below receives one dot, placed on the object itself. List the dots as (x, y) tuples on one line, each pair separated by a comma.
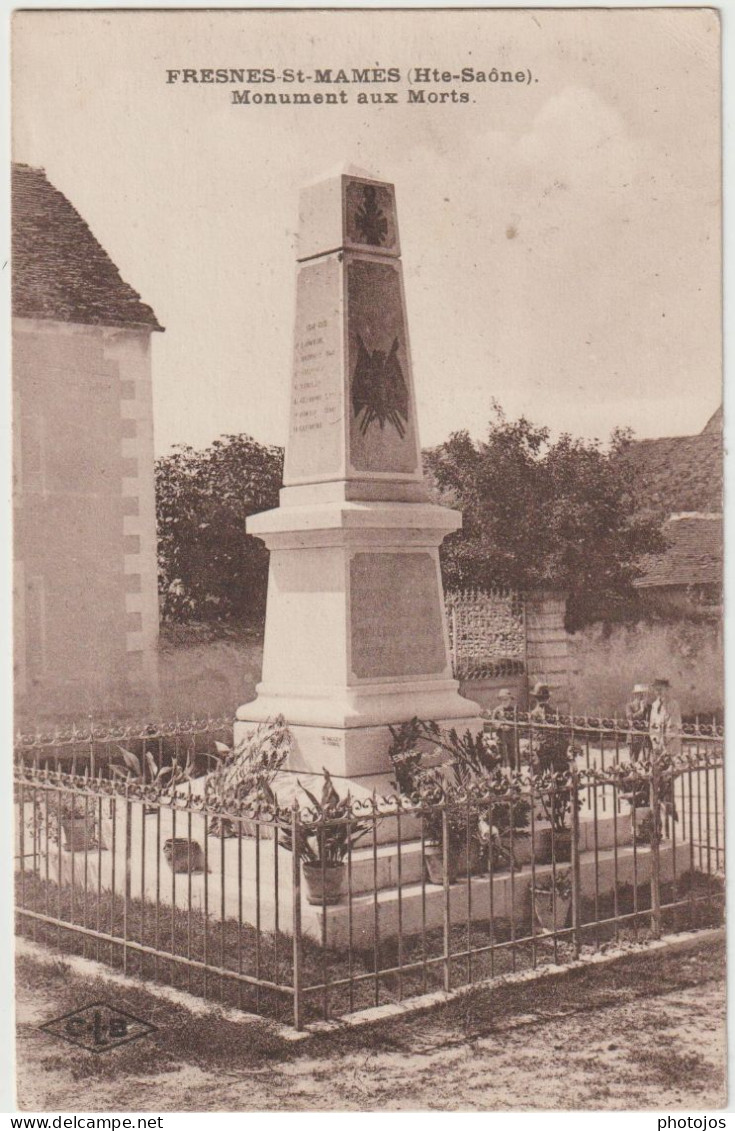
[(242, 879)]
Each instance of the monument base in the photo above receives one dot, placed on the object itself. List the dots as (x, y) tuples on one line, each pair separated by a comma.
[(354, 756)]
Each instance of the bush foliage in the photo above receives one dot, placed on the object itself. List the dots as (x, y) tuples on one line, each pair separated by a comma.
[(543, 513), (209, 568)]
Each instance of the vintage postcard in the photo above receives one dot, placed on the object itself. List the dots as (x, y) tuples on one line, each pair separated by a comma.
[(368, 652)]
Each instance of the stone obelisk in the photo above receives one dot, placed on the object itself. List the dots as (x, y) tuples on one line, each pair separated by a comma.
[(355, 635)]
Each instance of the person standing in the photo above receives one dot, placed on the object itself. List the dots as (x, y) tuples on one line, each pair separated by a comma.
[(638, 714), (550, 744), (664, 730), (543, 710), (664, 724), (502, 718)]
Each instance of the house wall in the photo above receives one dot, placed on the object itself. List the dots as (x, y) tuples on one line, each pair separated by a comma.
[(86, 608), (608, 660)]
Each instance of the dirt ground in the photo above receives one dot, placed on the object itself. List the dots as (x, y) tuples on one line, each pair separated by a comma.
[(646, 1032)]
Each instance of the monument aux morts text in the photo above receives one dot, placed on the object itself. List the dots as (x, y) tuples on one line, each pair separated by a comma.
[(355, 636)]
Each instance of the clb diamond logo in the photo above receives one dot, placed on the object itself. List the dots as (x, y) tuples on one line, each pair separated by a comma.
[(98, 1027)]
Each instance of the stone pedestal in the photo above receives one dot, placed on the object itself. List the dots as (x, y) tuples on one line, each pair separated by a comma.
[(355, 634), (547, 643)]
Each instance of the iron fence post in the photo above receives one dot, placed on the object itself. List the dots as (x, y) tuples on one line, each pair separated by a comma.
[(128, 872), (296, 895), (655, 843), (445, 879), (576, 871)]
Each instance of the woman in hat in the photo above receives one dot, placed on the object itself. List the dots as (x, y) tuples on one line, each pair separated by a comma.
[(638, 714)]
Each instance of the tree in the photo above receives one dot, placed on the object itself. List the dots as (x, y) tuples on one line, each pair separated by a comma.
[(537, 513), (208, 567)]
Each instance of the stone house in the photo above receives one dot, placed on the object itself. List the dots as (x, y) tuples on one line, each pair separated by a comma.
[(86, 606)]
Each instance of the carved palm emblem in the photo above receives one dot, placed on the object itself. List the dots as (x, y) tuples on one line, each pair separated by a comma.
[(378, 389), (370, 218)]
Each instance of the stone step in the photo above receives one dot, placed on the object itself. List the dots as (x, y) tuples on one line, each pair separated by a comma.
[(418, 907)]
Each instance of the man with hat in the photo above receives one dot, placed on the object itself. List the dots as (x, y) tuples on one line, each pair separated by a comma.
[(664, 728), (550, 746), (638, 714), (542, 710), (664, 724), (505, 736)]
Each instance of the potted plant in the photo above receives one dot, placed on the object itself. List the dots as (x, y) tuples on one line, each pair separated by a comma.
[(184, 855), (145, 779), (324, 839), (133, 772), (245, 777), (552, 900), (635, 785), (78, 822), (68, 814), (504, 829), (69, 819), (434, 805), (455, 786), (554, 787)]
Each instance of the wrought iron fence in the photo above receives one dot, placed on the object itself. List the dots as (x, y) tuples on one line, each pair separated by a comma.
[(96, 746), (487, 634), (312, 909)]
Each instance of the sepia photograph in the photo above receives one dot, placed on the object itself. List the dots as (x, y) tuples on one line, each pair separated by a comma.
[(367, 523)]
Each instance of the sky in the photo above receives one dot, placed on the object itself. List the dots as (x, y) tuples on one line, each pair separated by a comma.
[(560, 238)]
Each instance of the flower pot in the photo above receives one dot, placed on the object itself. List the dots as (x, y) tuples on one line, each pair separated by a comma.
[(183, 855), (522, 847), (434, 865), (641, 824), (78, 832), (477, 862), (548, 848), (324, 885), (551, 916)]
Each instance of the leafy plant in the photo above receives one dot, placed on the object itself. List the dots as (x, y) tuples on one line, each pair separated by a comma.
[(561, 883), (63, 808), (328, 834), (556, 796), (634, 782), (209, 568), (146, 771), (469, 755), (553, 756), (476, 772), (246, 774)]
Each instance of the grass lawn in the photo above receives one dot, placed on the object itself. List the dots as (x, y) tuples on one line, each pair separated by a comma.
[(646, 1031), (227, 945)]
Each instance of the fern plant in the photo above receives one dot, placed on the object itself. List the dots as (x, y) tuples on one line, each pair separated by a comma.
[(245, 774)]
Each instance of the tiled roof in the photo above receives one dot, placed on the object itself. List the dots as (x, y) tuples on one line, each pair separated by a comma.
[(60, 271), (694, 556), (679, 473)]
